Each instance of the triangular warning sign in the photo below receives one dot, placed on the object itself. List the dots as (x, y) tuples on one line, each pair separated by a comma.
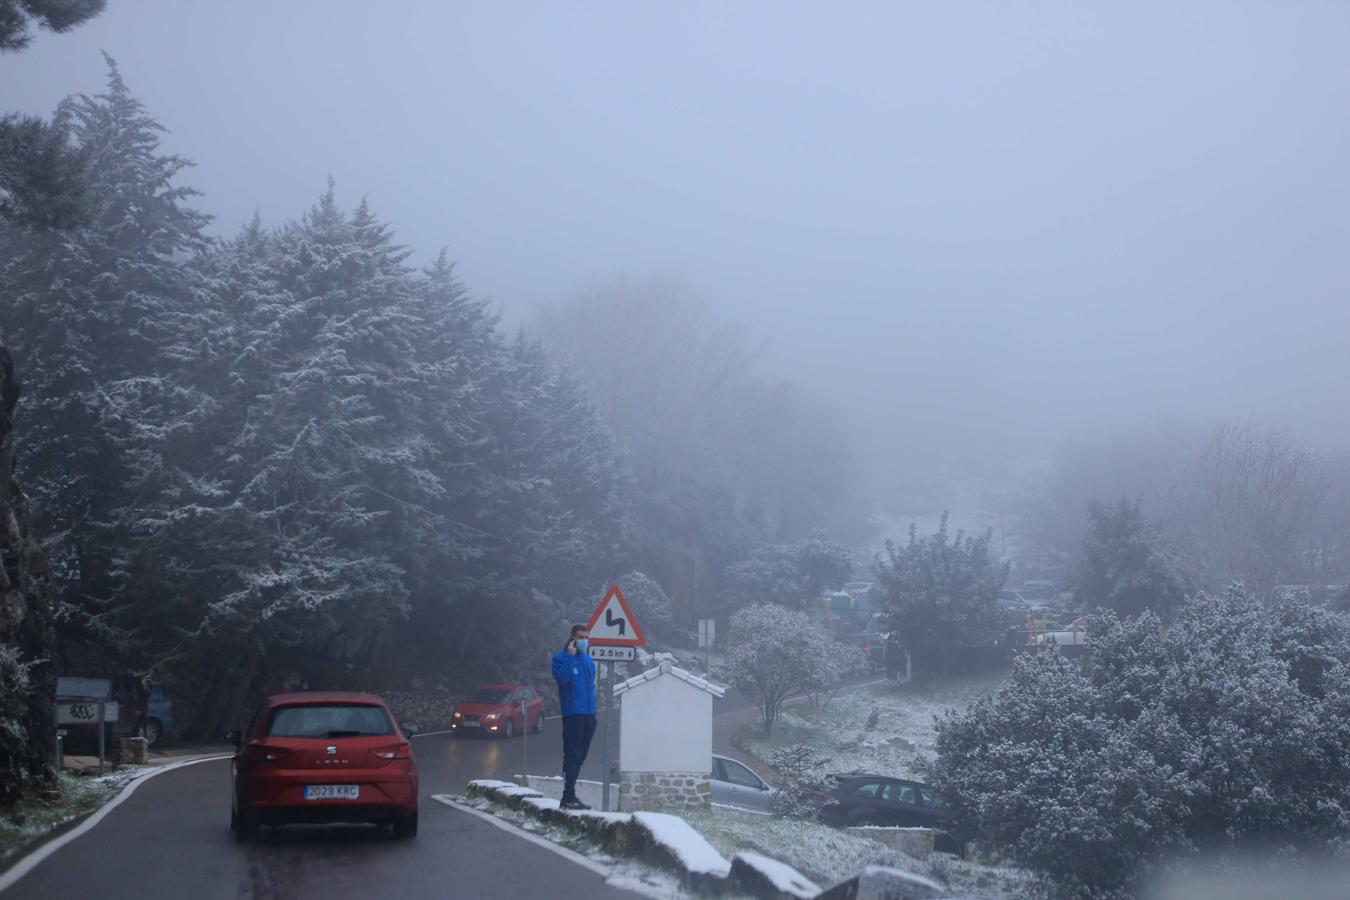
[(612, 624)]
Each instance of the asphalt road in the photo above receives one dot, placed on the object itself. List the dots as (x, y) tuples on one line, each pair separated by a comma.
[(171, 839)]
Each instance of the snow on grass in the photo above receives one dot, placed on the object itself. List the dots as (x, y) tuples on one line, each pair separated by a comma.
[(828, 855), (33, 817), (823, 854), (902, 738), (899, 742), (625, 874)]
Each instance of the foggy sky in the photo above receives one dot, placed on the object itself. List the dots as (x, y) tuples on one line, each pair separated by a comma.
[(989, 226)]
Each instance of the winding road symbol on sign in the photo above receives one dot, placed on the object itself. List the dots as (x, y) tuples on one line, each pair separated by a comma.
[(612, 624)]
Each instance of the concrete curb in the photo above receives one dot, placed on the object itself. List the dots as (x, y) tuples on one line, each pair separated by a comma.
[(661, 840)]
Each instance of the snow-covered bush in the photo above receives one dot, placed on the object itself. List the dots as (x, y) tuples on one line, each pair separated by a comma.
[(940, 589), (651, 605), (792, 574), (1163, 742), (835, 663), (802, 788), (778, 652)]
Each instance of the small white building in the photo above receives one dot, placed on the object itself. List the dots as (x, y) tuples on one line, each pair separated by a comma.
[(665, 737)]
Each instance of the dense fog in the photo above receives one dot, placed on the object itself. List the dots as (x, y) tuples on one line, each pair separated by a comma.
[(977, 232), (955, 393)]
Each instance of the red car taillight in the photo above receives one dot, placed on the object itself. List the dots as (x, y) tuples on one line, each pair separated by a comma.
[(264, 753), (400, 751)]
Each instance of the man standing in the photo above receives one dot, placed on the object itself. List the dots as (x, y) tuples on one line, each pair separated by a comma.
[(574, 670)]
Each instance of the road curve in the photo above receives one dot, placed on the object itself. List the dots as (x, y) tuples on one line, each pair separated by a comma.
[(170, 839)]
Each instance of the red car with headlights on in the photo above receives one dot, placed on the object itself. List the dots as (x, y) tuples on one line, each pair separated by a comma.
[(496, 709), (323, 757)]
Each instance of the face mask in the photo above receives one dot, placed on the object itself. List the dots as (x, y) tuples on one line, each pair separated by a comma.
[(582, 644)]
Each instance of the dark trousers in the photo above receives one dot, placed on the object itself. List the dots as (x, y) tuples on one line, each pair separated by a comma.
[(577, 734)]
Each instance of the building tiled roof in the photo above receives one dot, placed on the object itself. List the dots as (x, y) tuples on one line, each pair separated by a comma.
[(666, 667)]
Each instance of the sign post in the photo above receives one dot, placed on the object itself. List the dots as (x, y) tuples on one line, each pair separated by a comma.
[(707, 633), (102, 717), (613, 631), (525, 737)]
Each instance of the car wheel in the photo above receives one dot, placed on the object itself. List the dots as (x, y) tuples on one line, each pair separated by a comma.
[(244, 828), (405, 827), (510, 730), (150, 730), (538, 725)]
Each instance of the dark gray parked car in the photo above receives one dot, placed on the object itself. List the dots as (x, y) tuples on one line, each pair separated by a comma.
[(865, 799)]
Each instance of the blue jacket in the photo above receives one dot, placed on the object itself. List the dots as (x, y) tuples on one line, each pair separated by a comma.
[(575, 674)]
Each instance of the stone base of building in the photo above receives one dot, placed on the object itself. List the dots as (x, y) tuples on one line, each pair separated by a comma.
[(665, 790)]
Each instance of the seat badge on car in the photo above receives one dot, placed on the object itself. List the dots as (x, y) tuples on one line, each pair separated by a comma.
[(332, 751)]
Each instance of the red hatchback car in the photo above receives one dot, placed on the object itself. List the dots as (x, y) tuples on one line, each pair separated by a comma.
[(496, 709), (323, 757)]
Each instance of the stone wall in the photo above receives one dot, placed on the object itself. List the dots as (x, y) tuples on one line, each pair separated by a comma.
[(665, 790)]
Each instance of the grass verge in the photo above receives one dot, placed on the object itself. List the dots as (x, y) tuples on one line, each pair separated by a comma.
[(33, 819), (884, 728), (828, 855)]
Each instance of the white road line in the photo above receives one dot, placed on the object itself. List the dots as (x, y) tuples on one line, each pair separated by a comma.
[(428, 734), (570, 855), (26, 865)]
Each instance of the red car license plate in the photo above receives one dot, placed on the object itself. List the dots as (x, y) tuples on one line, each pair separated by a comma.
[(332, 792)]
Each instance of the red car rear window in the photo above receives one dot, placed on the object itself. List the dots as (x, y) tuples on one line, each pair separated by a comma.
[(329, 721)]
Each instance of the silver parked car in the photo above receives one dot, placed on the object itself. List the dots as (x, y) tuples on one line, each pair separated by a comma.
[(733, 784)]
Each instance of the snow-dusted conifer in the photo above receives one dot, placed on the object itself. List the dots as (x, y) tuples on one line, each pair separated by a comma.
[(86, 313)]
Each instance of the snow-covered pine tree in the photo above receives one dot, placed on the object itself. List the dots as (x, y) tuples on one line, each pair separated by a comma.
[(86, 312), (317, 491), (27, 675), (555, 485)]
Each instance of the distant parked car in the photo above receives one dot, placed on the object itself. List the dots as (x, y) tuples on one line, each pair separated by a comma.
[(733, 784), (865, 799), (1039, 590), (322, 757), (495, 709), (130, 709), (1074, 632)]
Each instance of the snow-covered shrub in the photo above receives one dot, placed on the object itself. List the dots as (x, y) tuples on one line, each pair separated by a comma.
[(778, 652), (835, 663), (873, 719), (940, 589), (802, 788), (651, 605), (1163, 742), (792, 574)]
